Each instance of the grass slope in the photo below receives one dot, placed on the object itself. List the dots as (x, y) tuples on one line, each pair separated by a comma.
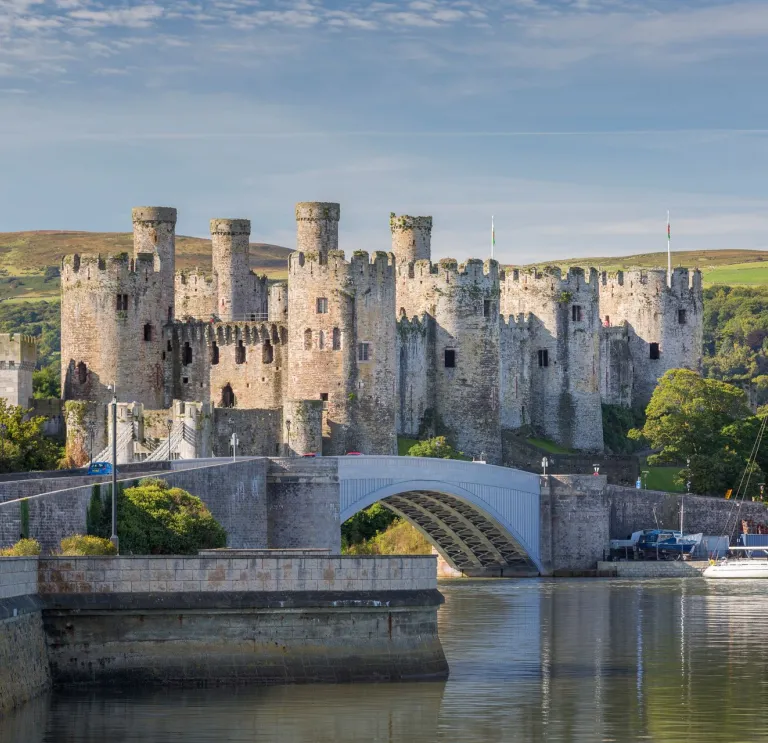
[(24, 256), (743, 267)]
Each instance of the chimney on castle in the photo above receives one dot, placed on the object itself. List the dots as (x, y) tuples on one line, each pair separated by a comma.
[(317, 227), (411, 237)]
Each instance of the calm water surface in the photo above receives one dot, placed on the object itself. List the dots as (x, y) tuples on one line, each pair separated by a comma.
[(569, 660)]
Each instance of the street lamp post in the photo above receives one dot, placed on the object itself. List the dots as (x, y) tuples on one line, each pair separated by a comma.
[(114, 538), (169, 425)]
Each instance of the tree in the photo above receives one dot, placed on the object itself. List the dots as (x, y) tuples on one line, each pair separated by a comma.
[(702, 421), (46, 383), (438, 448), (154, 518), (366, 524), (23, 445)]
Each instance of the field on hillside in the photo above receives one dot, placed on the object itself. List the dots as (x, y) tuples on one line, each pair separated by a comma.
[(25, 256), (733, 267)]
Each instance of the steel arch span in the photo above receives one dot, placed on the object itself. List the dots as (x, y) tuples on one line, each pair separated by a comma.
[(484, 520)]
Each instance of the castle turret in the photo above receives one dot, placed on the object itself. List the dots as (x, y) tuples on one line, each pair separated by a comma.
[(278, 302), (154, 232), (230, 243), (302, 427), (411, 237), (317, 227), (341, 333), (18, 356)]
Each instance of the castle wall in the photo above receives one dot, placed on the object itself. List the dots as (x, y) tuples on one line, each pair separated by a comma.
[(278, 302), (246, 357), (196, 295), (564, 358), (655, 313), (302, 427), (18, 356), (258, 432), (415, 399)]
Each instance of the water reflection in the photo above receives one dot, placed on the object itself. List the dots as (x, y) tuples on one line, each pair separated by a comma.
[(573, 660)]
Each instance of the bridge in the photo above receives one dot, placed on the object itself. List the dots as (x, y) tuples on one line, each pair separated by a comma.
[(484, 520)]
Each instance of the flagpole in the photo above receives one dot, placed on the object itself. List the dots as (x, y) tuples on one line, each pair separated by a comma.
[(669, 252), (493, 237)]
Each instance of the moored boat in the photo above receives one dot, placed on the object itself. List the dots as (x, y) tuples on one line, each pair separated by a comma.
[(745, 567)]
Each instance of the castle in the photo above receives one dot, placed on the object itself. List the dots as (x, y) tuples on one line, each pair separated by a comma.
[(351, 352)]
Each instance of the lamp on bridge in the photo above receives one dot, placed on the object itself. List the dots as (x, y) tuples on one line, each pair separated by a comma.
[(169, 426)]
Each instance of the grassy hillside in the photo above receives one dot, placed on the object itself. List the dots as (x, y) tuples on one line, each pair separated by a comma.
[(25, 256), (732, 267)]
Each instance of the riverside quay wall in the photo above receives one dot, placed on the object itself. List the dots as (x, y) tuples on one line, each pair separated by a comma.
[(236, 618)]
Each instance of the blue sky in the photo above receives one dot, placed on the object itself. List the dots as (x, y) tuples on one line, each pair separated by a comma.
[(577, 123)]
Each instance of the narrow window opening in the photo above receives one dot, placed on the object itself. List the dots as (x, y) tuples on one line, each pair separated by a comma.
[(363, 351), (450, 358), (321, 340), (186, 380), (607, 321), (240, 353), (307, 340), (214, 354), (543, 357), (170, 314), (487, 308), (147, 332), (324, 398), (576, 313), (227, 397), (267, 353), (681, 317), (122, 302), (654, 348), (336, 339), (169, 346), (187, 359), (82, 372), (322, 305)]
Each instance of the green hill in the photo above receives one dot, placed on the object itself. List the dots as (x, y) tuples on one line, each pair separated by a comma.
[(732, 267), (25, 256)]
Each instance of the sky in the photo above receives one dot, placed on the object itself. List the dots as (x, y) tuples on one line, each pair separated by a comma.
[(576, 124)]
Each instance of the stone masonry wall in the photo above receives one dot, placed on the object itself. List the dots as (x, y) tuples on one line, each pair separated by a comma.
[(237, 501), (24, 671), (18, 356), (304, 504)]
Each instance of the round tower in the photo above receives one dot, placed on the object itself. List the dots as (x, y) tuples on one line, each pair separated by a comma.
[(341, 334), (564, 347), (154, 232), (411, 237), (317, 227), (230, 245), (302, 427)]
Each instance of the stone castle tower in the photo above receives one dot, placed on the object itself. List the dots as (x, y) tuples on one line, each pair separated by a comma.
[(352, 351)]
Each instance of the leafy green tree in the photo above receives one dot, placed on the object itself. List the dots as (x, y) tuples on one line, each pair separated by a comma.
[(438, 448), (154, 518), (46, 382), (365, 525), (702, 421), (23, 445)]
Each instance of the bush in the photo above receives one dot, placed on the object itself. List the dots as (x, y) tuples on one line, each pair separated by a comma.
[(22, 548), (400, 538), (437, 447), (86, 545), (154, 518)]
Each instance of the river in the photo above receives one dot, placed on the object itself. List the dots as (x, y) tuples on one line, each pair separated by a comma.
[(531, 660)]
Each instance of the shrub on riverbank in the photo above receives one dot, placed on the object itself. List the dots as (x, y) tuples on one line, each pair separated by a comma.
[(400, 538), (22, 548), (79, 545)]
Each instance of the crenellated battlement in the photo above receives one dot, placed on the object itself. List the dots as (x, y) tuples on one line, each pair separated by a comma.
[(194, 277), (107, 270), (519, 325), (653, 281), (380, 264), (416, 325), (551, 280), (450, 270)]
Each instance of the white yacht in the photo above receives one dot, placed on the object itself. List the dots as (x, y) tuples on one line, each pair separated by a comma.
[(746, 567)]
